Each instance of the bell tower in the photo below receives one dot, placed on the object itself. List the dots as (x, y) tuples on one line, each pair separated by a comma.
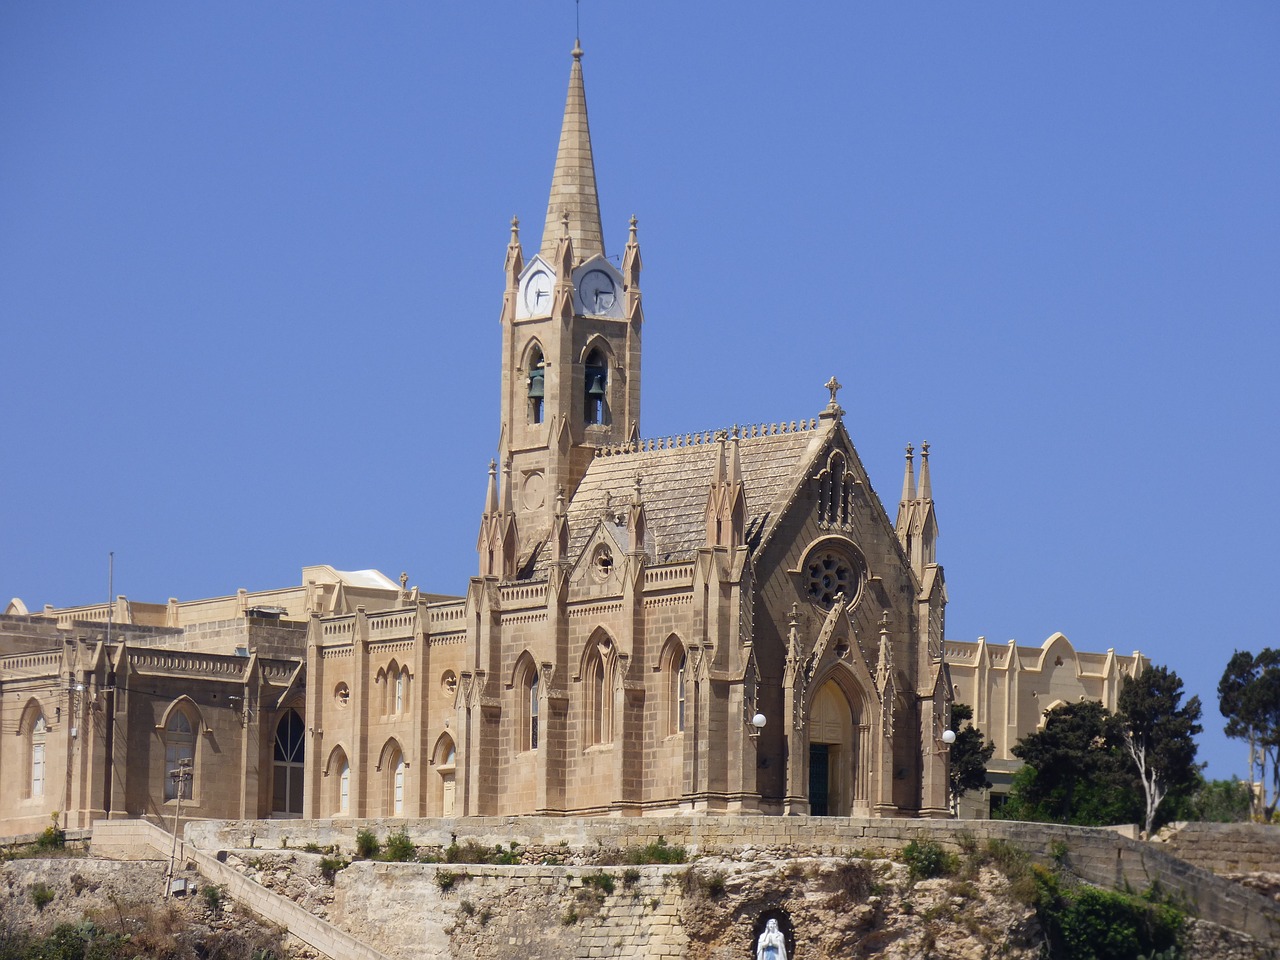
[(571, 322)]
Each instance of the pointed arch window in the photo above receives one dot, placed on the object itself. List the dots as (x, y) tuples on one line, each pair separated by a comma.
[(179, 750), (598, 697), (39, 732), (596, 389), (531, 698), (286, 783), (344, 787), (679, 698), (537, 385), (397, 797), (402, 679)]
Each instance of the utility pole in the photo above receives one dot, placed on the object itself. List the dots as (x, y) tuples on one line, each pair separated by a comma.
[(180, 777)]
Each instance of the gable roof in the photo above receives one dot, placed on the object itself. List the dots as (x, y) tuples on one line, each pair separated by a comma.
[(675, 480)]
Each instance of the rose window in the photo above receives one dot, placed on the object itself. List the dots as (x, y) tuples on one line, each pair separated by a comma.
[(831, 573)]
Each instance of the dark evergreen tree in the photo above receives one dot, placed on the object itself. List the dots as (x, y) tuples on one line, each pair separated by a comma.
[(969, 754), (1075, 771), (1249, 697), (1158, 733)]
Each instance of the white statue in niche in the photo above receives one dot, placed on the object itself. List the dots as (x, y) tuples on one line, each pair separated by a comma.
[(771, 945)]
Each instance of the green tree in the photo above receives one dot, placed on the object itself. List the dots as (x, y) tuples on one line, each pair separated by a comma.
[(1249, 697), (969, 754), (1075, 771), (1158, 732), (1222, 801)]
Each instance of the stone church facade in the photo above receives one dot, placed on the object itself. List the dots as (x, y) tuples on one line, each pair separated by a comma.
[(640, 602), (715, 622)]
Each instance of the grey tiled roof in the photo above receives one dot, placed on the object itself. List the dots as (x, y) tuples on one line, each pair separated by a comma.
[(675, 482)]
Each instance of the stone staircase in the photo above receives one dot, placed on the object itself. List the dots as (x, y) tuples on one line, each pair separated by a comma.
[(141, 840)]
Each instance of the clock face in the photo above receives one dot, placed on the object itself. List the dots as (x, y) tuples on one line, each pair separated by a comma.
[(537, 292), (597, 291)]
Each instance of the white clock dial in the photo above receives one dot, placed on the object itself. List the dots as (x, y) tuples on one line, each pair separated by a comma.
[(537, 292), (597, 292)]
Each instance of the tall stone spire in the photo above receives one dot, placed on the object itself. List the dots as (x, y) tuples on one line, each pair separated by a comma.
[(573, 184)]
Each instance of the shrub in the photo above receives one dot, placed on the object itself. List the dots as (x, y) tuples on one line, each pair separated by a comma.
[(311, 847), (600, 880), (398, 847), (706, 886), (1088, 923), (446, 880), (212, 895), (41, 895), (367, 845), (329, 867), (657, 851), (927, 858), (630, 876), (53, 837)]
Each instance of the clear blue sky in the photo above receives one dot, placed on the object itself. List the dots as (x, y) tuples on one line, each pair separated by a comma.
[(250, 275)]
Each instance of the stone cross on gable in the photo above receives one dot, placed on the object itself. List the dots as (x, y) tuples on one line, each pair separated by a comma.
[(833, 410), (834, 386)]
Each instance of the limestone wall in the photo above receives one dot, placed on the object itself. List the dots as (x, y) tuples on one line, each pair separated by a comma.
[(1225, 847), (1098, 855)]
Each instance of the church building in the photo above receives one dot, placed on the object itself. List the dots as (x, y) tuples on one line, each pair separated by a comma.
[(713, 622), (719, 622)]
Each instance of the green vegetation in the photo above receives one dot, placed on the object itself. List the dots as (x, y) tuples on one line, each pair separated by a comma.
[(398, 848), (53, 837), (657, 851), (473, 852), (1158, 733), (212, 896), (367, 845), (1222, 801), (1089, 767), (142, 932), (708, 885), (41, 895), (1082, 922), (1074, 771), (329, 867), (1087, 923), (446, 880), (600, 880), (969, 754), (1249, 697), (928, 858)]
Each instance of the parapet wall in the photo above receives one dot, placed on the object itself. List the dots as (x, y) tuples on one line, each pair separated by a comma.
[(1225, 847), (1100, 856)]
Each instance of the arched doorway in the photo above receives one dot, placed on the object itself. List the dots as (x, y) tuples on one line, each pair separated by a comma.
[(445, 760), (832, 753), (286, 783)]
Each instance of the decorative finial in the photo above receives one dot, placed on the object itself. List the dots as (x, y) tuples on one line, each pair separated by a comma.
[(493, 467), (634, 221), (636, 496), (924, 451), (404, 580), (834, 386), (577, 49), (515, 229), (910, 451), (564, 219)]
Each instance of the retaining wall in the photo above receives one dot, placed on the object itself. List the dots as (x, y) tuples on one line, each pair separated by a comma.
[(1225, 847), (1098, 855)]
